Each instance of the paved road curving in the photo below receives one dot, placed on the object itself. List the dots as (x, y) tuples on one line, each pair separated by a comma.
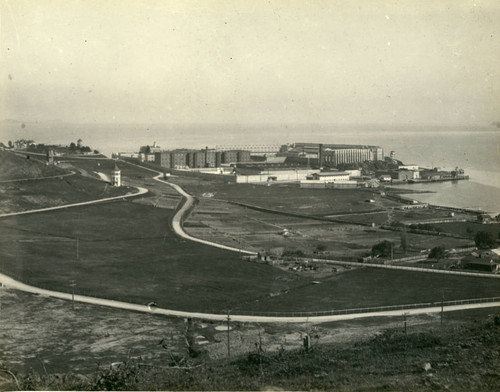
[(177, 221)]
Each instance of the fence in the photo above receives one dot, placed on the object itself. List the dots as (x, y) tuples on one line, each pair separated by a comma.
[(87, 297), (373, 309)]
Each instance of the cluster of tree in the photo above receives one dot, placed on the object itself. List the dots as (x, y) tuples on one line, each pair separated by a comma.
[(78, 147), (20, 143), (382, 249), (484, 240), (438, 253)]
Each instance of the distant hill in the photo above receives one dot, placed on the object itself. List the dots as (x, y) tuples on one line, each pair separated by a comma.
[(14, 167)]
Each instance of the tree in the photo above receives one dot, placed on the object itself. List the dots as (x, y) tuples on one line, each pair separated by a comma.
[(72, 146), (382, 249), (438, 253), (79, 143), (484, 240), (10, 144)]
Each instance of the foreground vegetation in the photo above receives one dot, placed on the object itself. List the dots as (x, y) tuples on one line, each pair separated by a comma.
[(465, 357)]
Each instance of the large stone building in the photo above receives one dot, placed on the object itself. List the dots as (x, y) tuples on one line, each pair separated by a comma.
[(204, 158), (332, 154)]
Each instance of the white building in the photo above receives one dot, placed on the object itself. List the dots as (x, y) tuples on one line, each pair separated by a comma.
[(328, 179), (413, 168), (116, 177)]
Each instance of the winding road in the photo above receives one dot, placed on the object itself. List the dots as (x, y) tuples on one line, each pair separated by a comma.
[(177, 220), (9, 282)]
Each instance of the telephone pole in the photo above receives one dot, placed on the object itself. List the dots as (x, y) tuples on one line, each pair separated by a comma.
[(228, 341), (442, 307)]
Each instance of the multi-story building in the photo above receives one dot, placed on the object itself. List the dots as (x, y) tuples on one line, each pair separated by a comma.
[(335, 154)]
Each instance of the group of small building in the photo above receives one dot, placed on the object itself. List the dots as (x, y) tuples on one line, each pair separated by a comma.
[(487, 261), (415, 174)]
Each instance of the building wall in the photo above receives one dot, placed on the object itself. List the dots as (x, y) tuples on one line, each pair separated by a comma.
[(244, 156), (210, 160), (280, 175), (179, 159), (333, 177), (230, 156), (163, 159), (405, 175)]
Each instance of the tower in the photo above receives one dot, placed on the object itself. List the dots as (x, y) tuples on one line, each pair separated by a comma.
[(50, 157), (116, 177)]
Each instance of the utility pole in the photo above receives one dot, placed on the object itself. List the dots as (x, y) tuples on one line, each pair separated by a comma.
[(442, 307), (228, 342), (72, 283)]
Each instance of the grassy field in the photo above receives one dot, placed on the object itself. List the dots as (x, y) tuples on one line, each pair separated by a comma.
[(128, 252), (260, 230), (469, 229), (51, 192), (291, 198)]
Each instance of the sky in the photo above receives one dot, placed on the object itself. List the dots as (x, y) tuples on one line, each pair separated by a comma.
[(250, 62)]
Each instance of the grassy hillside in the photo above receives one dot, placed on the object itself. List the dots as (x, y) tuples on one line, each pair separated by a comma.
[(14, 167), (464, 356)]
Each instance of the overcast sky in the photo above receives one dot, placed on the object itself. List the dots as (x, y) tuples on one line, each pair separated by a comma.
[(344, 62)]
